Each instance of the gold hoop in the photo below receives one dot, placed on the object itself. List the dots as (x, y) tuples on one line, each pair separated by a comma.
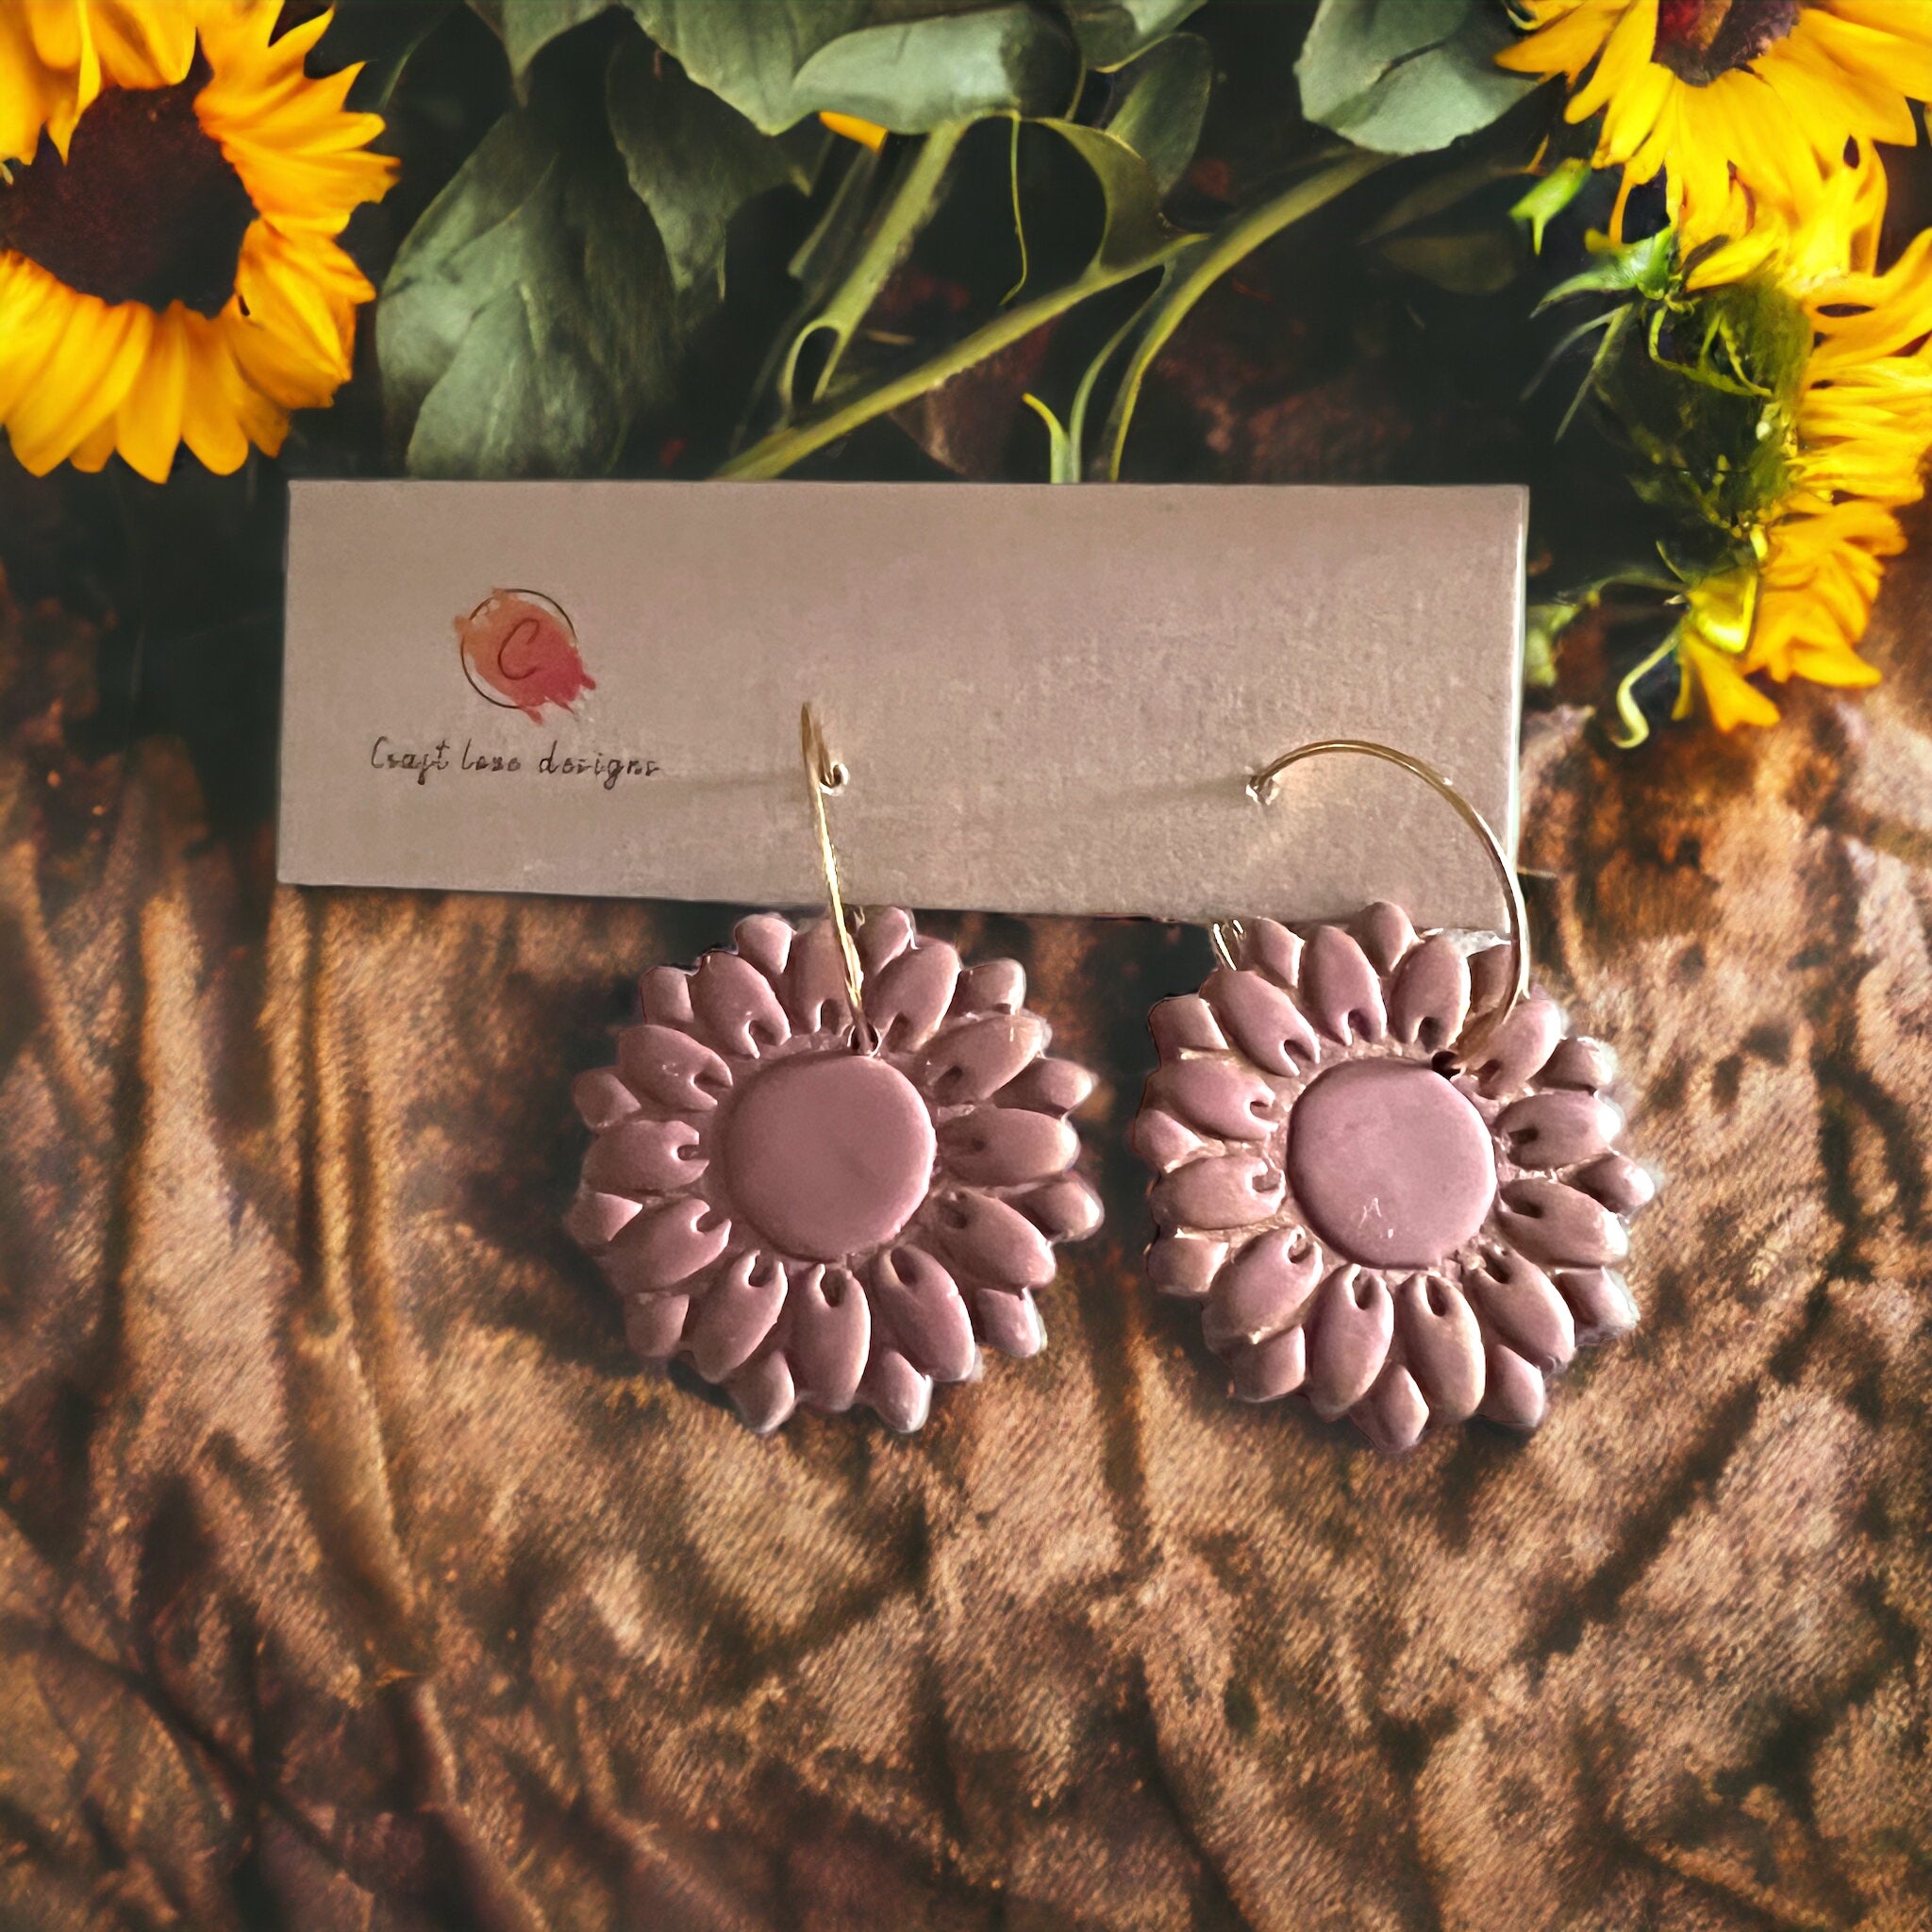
[(824, 776), (1225, 933)]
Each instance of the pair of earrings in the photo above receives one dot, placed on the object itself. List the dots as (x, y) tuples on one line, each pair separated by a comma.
[(829, 1166)]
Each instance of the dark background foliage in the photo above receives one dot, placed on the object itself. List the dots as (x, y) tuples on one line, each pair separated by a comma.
[(592, 264)]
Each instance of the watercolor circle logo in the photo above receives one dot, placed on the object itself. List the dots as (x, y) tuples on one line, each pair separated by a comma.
[(518, 652)]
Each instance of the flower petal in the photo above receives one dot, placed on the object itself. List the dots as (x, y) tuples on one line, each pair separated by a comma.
[(1618, 1182), (1162, 1141), (593, 1220), (974, 1059), (898, 1394), (1348, 1340), (1263, 1289), (1218, 1096), (1341, 990), (1518, 1048), (602, 1099), (1270, 947), (1599, 1301), (1522, 1304), (1392, 1415), (1489, 979), (1429, 1000), (994, 986), (1383, 932), (735, 1314), (663, 1246), (907, 1002), (1222, 1192), (1555, 1224), (1441, 1344), (828, 1337), (1048, 1085), (992, 1242), (665, 994), (1001, 1147), (1579, 1061), (671, 1068), (916, 1305), (884, 932), (1261, 1019), (735, 1005), (1008, 1323), (654, 1325), (815, 981), (1183, 1024), (1557, 1128), (765, 940), (644, 1157), (1067, 1209), (1271, 1369), (1513, 1394), (763, 1392), (1185, 1265)]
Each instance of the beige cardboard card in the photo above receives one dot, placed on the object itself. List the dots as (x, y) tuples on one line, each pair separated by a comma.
[(1047, 698)]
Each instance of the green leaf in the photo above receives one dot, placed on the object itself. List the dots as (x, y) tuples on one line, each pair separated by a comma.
[(525, 28), (382, 36), (1543, 625), (1161, 104), (920, 76), (529, 316), (1646, 267), (1550, 197), (1134, 228), (691, 160), (1062, 459), (1112, 32), (910, 65), (1406, 76)]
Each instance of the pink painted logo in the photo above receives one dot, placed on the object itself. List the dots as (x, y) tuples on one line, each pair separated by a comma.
[(519, 651)]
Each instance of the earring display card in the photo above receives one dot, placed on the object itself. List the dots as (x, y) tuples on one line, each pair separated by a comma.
[(1047, 698)]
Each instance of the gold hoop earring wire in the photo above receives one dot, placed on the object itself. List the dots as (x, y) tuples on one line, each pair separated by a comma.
[(1225, 933), (823, 777)]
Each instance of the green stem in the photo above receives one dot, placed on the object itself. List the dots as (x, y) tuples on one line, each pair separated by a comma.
[(777, 452), (1635, 727), (1083, 396), (1215, 255), (906, 210)]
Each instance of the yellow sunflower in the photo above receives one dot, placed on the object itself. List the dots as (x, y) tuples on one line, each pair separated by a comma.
[(1858, 440), (1696, 88), (51, 59), (169, 271)]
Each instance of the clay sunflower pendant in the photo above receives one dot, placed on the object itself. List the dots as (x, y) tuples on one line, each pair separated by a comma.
[(1401, 1241), (805, 1222)]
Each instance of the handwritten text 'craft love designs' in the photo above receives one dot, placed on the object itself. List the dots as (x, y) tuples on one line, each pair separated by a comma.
[(518, 652)]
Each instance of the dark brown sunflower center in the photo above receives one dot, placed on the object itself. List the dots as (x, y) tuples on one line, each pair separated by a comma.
[(1700, 39), (145, 208)]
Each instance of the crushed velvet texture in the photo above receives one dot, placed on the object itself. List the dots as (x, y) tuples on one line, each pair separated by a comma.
[(357, 1576)]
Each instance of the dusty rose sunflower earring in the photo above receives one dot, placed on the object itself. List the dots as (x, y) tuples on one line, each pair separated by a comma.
[(827, 1167), (1384, 1165)]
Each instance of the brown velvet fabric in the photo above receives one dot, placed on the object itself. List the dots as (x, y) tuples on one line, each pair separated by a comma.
[(354, 1577)]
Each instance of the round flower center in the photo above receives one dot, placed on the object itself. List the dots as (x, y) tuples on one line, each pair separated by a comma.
[(1700, 39), (145, 209), (1391, 1166), (828, 1157)]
